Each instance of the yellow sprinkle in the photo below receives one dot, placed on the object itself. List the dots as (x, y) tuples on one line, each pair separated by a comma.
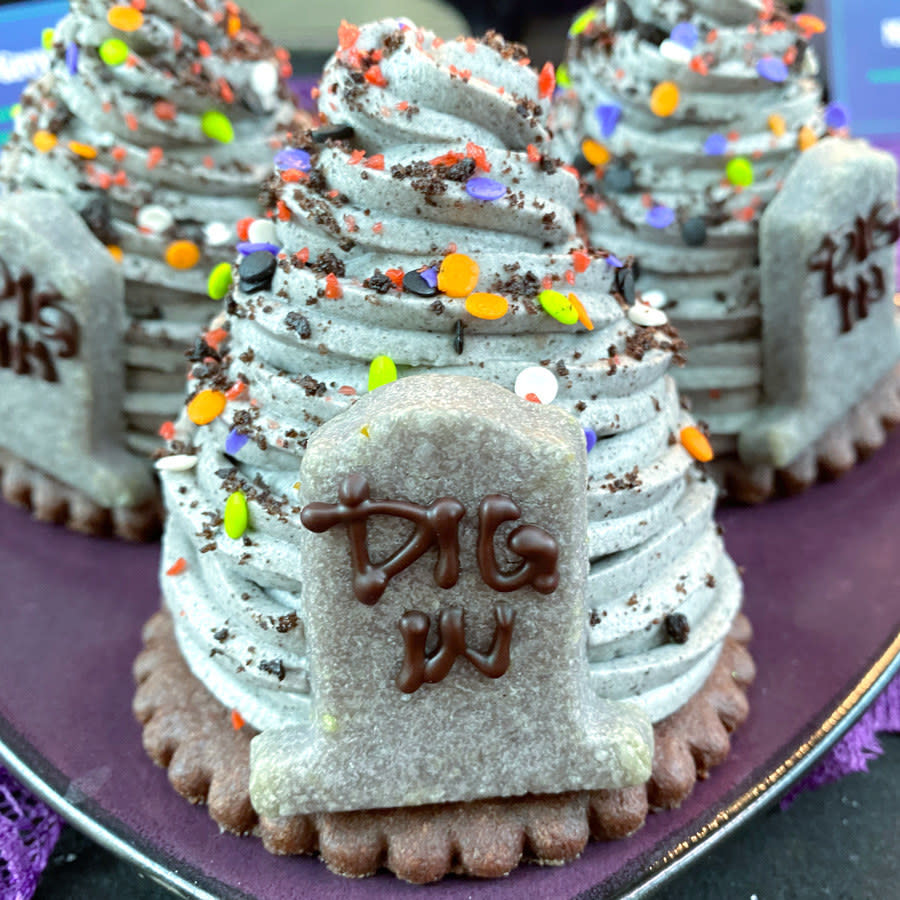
[(85, 151), (115, 252), (182, 254), (364, 431), (596, 154), (45, 141), (777, 125), (806, 138), (697, 444), (296, 485)]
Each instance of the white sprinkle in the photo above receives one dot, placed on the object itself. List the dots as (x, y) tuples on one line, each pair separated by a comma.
[(538, 381), (264, 80), (810, 65), (181, 463), (154, 218), (656, 299), (646, 315), (612, 14), (218, 234), (262, 231), (674, 52)]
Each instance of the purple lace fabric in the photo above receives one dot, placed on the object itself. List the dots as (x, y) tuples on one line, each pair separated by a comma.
[(28, 832)]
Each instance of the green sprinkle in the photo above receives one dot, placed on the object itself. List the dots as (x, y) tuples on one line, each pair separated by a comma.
[(329, 723), (562, 76), (740, 171), (219, 281), (113, 52), (236, 516), (15, 110), (47, 38), (559, 306), (381, 371), (217, 126), (582, 22)]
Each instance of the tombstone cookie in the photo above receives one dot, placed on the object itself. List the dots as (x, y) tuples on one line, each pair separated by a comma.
[(323, 510), (687, 126), (156, 124), (61, 323)]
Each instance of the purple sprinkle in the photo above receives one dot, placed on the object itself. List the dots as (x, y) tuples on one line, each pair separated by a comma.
[(837, 116), (247, 247), (716, 145), (614, 261), (429, 276), (660, 216), (772, 69), (72, 58), (235, 442), (590, 438), (293, 158), (686, 34), (608, 115), (485, 189)]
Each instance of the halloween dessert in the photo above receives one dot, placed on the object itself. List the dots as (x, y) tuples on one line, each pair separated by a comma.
[(156, 123), (375, 559), (760, 227)]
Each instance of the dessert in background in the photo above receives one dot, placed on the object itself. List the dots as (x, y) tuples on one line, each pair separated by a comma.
[(762, 229), (156, 123), (425, 233)]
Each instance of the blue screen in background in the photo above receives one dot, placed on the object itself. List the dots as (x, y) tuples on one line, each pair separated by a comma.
[(21, 56), (864, 45)]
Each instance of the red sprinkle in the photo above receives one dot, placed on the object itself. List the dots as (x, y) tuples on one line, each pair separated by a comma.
[(131, 121), (164, 111), (532, 398), (209, 162), (580, 260), (177, 567), (356, 157), (237, 720), (374, 76), (347, 391), (570, 276), (375, 162), (302, 256), (154, 157), (284, 214), (547, 283), (396, 275), (534, 155), (347, 35), (478, 155), (215, 337), (547, 80), (447, 159), (226, 91), (236, 391), (203, 48), (403, 105), (167, 431), (243, 227), (291, 176), (333, 289)]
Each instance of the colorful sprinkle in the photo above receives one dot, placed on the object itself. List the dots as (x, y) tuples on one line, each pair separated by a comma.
[(614, 262), (85, 151), (333, 289), (487, 306), (485, 189), (806, 138), (416, 283), (583, 318), (608, 115), (182, 254), (166, 431), (674, 52), (262, 231), (177, 567), (772, 69), (47, 38), (777, 125), (590, 439), (739, 171), (125, 18), (154, 219), (458, 275), (237, 720), (665, 99), (206, 407), (596, 154), (113, 52), (547, 81), (660, 216), (558, 306), (837, 116), (72, 58), (562, 76), (219, 281), (537, 382), (697, 444), (217, 126), (811, 24), (647, 316), (236, 515), (217, 233), (182, 462), (293, 158), (382, 370), (235, 442), (44, 141), (246, 248), (581, 22), (115, 252), (264, 79), (685, 34), (715, 145)]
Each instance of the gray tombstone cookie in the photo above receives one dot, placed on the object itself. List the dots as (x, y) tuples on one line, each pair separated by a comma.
[(61, 371), (827, 261), (444, 562)]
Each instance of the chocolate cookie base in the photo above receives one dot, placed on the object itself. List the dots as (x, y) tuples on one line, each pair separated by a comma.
[(187, 731), (52, 501), (851, 440)]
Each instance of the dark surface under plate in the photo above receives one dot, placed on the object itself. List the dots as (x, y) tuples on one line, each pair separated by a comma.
[(822, 582)]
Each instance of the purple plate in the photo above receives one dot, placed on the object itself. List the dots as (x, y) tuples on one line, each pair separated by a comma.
[(822, 579)]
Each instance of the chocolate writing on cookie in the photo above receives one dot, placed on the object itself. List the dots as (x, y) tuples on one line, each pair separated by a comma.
[(38, 332), (844, 257), (437, 526)]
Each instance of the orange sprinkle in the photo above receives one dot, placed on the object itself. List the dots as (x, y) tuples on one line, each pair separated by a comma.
[(115, 251), (154, 157), (665, 99), (237, 720), (580, 260), (284, 214), (487, 306), (811, 24), (206, 406), (396, 276), (215, 337), (356, 157), (777, 125), (596, 154), (167, 431), (182, 254), (125, 18), (139, 5), (131, 121), (292, 176), (45, 141), (374, 76), (347, 35), (333, 289), (447, 159), (203, 48), (85, 151), (225, 91), (236, 391), (547, 81), (177, 567), (103, 180), (478, 155), (164, 111), (533, 398), (375, 162), (583, 316), (403, 105), (806, 138), (302, 256), (458, 275), (696, 443), (118, 153), (233, 26), (534, 155)]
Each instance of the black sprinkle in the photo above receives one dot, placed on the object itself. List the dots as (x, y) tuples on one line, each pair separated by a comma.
[(332, 133), (618, 178), (693, 232), (459, 341), (416, 284), (256, 271), (625, 284)]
